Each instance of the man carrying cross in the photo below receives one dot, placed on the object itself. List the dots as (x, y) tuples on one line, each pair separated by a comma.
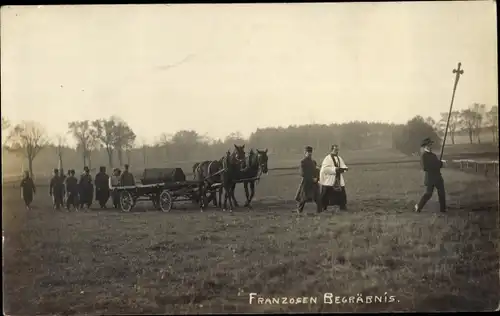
[(431, 165)]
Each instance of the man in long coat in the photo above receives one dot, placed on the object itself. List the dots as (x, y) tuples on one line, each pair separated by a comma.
[(102, 187), (56, 189), (431, 165), (86, 188), (72, 190), (332, 181), (308, 189), (28, 189)]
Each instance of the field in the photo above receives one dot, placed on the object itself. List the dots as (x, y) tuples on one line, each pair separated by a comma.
[(107, 262)]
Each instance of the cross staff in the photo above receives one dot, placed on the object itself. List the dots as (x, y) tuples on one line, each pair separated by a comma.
[(458, 72)]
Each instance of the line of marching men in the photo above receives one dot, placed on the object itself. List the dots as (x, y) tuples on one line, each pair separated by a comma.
[(67, 190)]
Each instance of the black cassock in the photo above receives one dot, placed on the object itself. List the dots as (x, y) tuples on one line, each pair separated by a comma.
[(86, 190), (102, 188), (308, 189)]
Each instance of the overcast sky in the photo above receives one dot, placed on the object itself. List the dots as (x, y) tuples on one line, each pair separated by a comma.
[(224, 68)]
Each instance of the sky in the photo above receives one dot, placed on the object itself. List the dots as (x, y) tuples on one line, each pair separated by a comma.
[(224, 68)]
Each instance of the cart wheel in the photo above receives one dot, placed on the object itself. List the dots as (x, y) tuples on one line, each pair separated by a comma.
[(126, 201), (166, 201)]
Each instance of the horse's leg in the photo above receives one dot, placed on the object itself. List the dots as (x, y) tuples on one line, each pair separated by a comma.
[(201, 196), (252, 192), (225, 198), (213, 196), (245, 185), (233, 189), (221, 190), (231, 193)]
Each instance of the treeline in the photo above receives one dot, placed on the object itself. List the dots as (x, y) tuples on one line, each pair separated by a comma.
[(112, 142)]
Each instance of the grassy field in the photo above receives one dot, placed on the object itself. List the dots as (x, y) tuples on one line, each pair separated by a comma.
[(107, 262)]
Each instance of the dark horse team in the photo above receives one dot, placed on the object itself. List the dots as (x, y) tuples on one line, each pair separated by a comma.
[(231, 169)]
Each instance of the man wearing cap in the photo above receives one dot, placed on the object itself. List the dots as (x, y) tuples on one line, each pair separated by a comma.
[(86, 188), (56, 189), (332, 181), (433, 179), (308, 188), (102, 187), (127, 178)]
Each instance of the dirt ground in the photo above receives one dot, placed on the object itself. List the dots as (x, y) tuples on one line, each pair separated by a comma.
[(108, 262)]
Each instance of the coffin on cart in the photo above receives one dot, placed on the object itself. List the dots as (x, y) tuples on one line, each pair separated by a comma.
[(162, 175)]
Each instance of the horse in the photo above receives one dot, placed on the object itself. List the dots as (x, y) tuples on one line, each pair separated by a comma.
[(257, 164), (211, 172)]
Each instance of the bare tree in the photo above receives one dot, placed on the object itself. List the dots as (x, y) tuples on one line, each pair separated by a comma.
[(27, 139), (124, 138), (480, 110), (164, 142), (82, 132), (468, 121), (492, 121), (144, 150), (60, 145), (5, 127), (453, 124), (105, 133)]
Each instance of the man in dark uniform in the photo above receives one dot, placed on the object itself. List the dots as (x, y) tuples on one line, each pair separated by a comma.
[(86, 188), (27, 189), (72, 190), (433, 178), (308, 189), (102, 187), (127, 178), (56, 189)]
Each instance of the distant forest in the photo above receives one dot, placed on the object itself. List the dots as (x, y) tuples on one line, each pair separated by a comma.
[(112, 142)]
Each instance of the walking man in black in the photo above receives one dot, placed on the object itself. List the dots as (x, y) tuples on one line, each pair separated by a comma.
[(28, 189), (72, 190), (56, 189), (309, 189), (433, 179), (102, 187)]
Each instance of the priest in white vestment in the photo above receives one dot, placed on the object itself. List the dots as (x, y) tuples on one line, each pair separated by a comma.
[(332, 181)]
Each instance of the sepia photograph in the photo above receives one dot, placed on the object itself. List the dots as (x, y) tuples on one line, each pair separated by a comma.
[(250, 158)]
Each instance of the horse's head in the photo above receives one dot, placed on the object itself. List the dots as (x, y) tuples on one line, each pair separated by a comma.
[(262, 159), (239, 155)]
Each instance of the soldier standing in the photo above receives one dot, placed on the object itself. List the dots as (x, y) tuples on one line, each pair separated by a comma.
[(56, 189), (308, 189), (433, 179), (102, 187), (72, 190), (86, 188)]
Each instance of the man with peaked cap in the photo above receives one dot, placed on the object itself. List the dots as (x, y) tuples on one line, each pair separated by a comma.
[(308, 190), (431, 165), (86, 188), (102, 187), (56, 189), (72, 190), (127, 178)]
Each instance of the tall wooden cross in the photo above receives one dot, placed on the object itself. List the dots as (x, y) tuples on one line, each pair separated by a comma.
[(458, 72)]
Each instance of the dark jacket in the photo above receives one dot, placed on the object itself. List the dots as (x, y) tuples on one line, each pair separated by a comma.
[(72, 185), (127, 179), (432, 168), (308, 188), (56, 185), (28, 187)]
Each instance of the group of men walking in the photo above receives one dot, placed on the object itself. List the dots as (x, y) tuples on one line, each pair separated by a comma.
[(68, 191), (325, 184), (322, 184)]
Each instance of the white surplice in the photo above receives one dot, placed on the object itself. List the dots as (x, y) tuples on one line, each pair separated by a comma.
[(328, 171)]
